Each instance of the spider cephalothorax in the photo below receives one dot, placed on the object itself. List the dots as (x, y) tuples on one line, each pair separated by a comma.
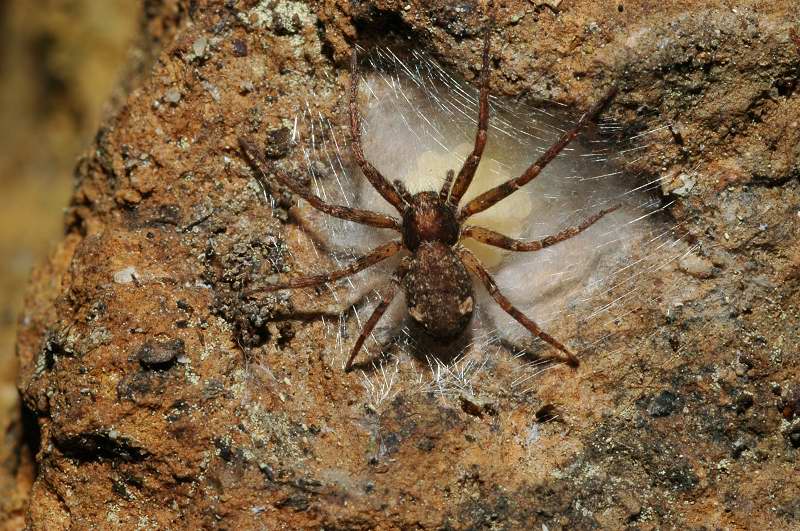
[(427, 219), (436, 274)]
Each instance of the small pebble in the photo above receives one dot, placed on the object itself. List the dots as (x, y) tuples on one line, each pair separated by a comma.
[(154, 353), (246, 87), (212, 89), (663, 404), (172, 96), (199, 46), (125, 276), (239, 48)]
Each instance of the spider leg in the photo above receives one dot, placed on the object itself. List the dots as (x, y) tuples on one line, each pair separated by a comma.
[(386, 299), (378, 254), (375, 178), (476, 267), (402, 190), (470, 166), (500, 192), (444, 191), (366, 217), (496, 239)]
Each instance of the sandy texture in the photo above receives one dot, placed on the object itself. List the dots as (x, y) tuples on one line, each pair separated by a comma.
[(166, 401)]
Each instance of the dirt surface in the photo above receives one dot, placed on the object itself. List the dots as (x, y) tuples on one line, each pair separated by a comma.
[(138, 356)]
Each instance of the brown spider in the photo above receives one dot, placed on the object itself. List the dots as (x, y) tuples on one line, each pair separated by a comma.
[(435, 276)]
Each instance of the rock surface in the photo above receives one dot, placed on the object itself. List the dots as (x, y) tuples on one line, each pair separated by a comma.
[(138, 357)]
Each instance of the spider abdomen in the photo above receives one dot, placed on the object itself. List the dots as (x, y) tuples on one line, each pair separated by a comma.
[(438, 291)]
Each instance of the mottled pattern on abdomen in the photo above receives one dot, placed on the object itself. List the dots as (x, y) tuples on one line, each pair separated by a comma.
[(439, 291)]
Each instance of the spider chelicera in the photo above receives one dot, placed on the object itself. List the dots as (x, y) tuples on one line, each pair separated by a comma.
[(436, 274)]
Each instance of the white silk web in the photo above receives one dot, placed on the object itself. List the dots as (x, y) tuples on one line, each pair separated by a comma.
[(418, 121)]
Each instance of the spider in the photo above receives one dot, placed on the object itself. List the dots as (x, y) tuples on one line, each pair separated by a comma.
[(435, 274)]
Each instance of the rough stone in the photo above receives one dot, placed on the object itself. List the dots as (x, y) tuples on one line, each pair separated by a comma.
[(255, 429), (663, 404)]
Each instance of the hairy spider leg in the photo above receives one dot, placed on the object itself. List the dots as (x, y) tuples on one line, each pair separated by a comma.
[(376, 179), (496, 239), (387, 296), (444, 191), (467, 172), (403, 191), (366, 217), (476, 267), (500, 192), (378, 254)]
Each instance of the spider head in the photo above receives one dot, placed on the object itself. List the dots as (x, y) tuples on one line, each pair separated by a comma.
[(428, 219)]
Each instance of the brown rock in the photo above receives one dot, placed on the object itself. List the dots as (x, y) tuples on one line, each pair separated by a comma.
[(256, 428)]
